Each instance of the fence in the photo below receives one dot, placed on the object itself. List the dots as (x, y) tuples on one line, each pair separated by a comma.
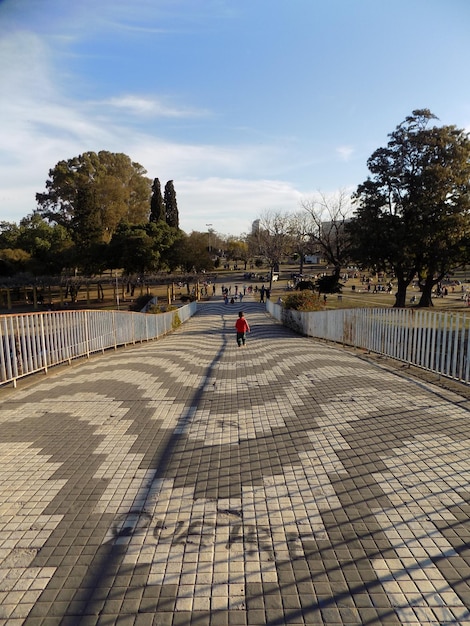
[(436, 341), (432, 340), (34, 342)]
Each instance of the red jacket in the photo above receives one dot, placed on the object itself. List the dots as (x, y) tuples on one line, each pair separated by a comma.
[(242, 325)]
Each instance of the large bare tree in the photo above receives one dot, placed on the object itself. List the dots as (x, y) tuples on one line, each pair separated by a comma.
[(272, 238), (329, 215), (300, 232)]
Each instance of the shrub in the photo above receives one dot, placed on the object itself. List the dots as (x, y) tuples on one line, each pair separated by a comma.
[(153, 309), (305, 284), (140, 302), (176, 321), (329, 284), (187, 298), (167, 308), (302, 301)]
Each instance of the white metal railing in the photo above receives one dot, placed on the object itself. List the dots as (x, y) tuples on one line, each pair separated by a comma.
[(433, 340), (33, 342), (436, 341)]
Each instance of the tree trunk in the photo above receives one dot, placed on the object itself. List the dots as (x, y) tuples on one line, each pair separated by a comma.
[(426, 294), (400, 296)]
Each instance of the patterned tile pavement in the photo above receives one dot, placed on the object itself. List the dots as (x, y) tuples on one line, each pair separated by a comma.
[(189, 481)]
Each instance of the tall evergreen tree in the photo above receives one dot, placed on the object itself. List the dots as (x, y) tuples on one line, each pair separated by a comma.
[(413, 214), (157, 205), (171, 208)]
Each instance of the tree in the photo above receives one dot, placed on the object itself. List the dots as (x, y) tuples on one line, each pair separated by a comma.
[(418, 201), (237, 250), (300, 231), (272, 238), (380, 240), (13, 261), (34, 245), (190, 252), (157, 205), (9, 233), (171, 207), (48, 245), (98, 189), (141, 248), (329, 216)]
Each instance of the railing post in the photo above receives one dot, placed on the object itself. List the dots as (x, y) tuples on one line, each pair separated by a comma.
[(43, 345), (87, 336)]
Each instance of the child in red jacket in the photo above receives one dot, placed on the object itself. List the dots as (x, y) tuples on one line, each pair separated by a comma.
[(242, 327)]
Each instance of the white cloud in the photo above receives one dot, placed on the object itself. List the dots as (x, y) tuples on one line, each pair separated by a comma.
[(152, 107), (345, 152), (226, 185), (231, 205)]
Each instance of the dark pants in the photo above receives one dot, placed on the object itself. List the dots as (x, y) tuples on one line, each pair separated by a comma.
[(241, 338)]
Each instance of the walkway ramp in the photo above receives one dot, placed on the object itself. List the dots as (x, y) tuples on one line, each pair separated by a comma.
[(189, 481)]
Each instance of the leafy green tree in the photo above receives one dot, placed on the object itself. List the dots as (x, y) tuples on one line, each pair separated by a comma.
[(171, 207), (418, 203), (237, 250), (191, 254), (47, 244), (86, 221), (141, 248), (380, 240), (98, 190), (157, 205), (13, 261), (9, 233), (33, 245)]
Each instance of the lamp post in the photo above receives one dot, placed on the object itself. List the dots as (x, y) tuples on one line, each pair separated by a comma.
[(209, 226)]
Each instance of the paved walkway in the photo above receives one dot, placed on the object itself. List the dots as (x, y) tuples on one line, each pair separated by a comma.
[(189, 481)]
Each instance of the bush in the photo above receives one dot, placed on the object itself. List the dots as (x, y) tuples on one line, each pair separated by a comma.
[(153, 309), (140, 302), (305, 284), (329, 284), (167, 308), (176, 321), (303, 301), (187, 298)]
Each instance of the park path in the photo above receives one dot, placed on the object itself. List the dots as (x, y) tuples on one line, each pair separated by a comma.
[(189, 481)]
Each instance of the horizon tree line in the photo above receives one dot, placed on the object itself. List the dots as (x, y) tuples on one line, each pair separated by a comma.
[(410, 218)]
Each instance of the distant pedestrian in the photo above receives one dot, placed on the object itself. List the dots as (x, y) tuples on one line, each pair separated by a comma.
[(242, 327)]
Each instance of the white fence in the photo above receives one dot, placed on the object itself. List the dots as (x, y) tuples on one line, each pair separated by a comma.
[(435, 341), (34, 342)]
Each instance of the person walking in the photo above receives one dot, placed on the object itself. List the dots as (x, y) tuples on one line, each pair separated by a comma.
[(242, 327), (263, 289)]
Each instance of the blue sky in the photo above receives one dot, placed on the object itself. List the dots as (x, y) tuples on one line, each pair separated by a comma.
[(247, 105)]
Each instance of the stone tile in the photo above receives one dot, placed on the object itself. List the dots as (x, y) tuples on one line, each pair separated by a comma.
[(328, 491)]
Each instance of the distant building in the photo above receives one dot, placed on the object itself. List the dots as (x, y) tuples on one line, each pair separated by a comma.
[(255, 227), (312, 258)]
